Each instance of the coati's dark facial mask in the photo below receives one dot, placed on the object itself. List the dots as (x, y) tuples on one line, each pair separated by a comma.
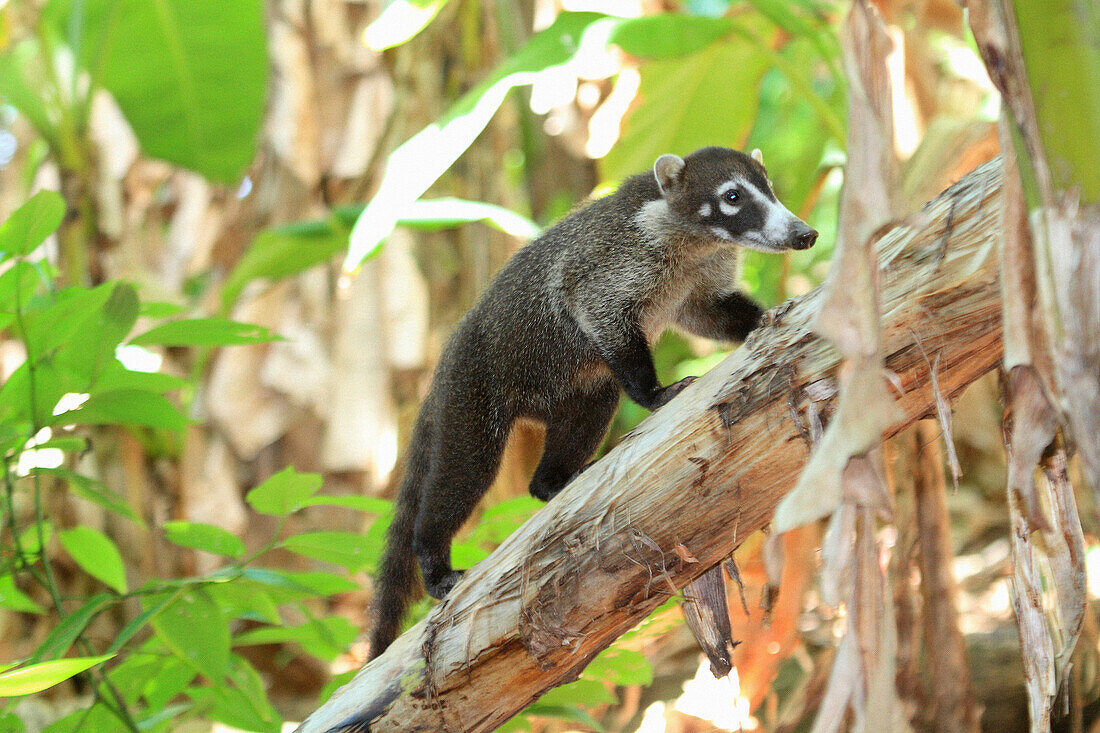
[(727, 194)]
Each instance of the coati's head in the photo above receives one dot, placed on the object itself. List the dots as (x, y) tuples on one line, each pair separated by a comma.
[(724, 194)]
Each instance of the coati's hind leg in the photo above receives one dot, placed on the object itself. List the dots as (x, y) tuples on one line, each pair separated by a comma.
[(572, 436), (466, 453)]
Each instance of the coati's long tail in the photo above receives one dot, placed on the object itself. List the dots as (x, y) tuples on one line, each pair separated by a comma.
[(397, 583)]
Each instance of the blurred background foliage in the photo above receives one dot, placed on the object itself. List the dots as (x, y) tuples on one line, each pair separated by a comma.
[(269, 217)]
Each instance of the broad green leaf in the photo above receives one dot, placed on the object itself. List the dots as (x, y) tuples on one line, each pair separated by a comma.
[(234, 708), (14, 599), (284, 493), (334, 683), (157, 309), (299, 583), (96, 554), (324, 638), (95, 492), (194, 628), (10, 723), (399, 21), (37, 677), (1060, 44), (706, 98), (90, 350), (205, 332), (125, 407), (415, 165), (346, 549), (71, 627), (97, 718), (206, 537), (588, 693), (668, 35), (18, 284), (172, 678), (283, 251), (35, 537), (621, 667), (21, 86), (30, 224), (248, 600), (446, 213), (137, 623), (115, 376), (564, 711), (189, 75), (70, 311)]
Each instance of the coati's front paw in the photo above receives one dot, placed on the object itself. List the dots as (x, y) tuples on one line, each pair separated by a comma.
[(438, 589), (671, 391)]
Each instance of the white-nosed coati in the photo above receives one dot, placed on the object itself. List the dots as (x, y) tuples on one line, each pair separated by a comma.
[(561, 329)]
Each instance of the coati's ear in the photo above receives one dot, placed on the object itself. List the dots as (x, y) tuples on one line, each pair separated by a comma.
[(758, 156), (667, 170)]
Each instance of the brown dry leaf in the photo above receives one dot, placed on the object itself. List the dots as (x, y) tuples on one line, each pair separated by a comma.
[(1065, 550), (707, 615), (735, 575)]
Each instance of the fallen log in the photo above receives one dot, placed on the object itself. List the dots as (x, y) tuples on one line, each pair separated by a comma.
[(683, 490)]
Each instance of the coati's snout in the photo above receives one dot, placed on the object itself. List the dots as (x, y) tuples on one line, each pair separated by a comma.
[(726, 195), (802, 236)]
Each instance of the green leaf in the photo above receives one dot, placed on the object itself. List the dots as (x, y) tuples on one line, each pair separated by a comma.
[(172, 678), (206, 537), (247, 599), (137, 623), (205, 332), (96, 554), (189, 75), (621, 667), (10, 723), (30, 224), (22, 87), (14, 599), (307, 583), (399, 21), (97, 718), (284, 492), (125, 407), (95, 492), (588, 693), (334, 683), (71, 627), (325, 638), (415, 165), (668, 35), (37, 677), (447, 213), (346, 549), (284, 251), (194, 628), (688, 103)]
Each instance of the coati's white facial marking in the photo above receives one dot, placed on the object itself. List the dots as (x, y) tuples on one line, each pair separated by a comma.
[(721, 233), (778, 221), (704, 210), (728, 197)]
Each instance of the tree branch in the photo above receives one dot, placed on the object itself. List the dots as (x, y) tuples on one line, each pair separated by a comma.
[(704, 472)]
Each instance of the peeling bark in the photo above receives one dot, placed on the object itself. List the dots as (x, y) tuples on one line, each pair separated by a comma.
[(602, 554)]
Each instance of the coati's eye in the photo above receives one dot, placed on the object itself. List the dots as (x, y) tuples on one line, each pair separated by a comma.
[(731, 196)]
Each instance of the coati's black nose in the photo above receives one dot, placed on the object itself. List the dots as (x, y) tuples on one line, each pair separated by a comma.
[(805, 240)]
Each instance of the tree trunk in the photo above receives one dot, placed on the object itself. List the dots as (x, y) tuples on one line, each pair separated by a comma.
[(694, 480)]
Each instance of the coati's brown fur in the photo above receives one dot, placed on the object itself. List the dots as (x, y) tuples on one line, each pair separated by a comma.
[(561, 329)]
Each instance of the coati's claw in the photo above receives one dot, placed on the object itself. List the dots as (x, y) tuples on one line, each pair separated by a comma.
[(671, 391), (441, 588)]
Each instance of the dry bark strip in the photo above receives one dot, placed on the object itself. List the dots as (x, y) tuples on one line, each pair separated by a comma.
[(704, 472)]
